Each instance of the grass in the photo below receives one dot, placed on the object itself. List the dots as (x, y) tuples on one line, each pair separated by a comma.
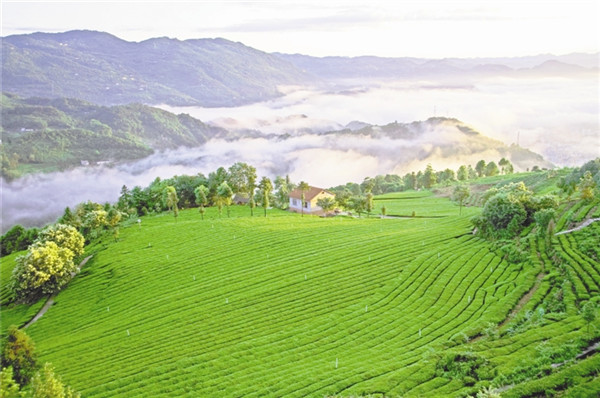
[(297, 306)]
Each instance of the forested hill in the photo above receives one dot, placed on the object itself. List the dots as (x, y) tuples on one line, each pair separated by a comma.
[(104, 69), (49, 134)]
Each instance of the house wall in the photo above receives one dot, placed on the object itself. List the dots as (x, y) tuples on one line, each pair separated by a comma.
[(311, 206), (296, 204), (313, 203)]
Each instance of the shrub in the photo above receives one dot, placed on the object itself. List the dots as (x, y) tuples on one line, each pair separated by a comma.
[(18, 352)]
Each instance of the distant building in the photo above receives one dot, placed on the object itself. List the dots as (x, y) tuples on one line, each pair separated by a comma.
[(310, 197), (240, 199)]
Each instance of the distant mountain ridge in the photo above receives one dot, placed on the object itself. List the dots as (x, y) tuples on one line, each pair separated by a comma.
[(104, 69), (379, 67)]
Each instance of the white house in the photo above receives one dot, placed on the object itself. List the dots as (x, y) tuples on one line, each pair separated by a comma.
[(310, 198)]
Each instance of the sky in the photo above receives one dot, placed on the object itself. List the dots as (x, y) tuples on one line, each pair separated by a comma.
[(427, 29)]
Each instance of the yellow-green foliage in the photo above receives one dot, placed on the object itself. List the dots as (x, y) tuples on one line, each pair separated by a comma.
[(48, 264), (45, 384)]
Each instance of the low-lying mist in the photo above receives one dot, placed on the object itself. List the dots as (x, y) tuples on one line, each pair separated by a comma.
[(556, 117)]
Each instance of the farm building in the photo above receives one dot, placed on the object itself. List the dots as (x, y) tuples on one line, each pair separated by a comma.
[(311, 196)]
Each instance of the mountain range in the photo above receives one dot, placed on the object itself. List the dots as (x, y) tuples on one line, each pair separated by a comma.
[(104, 69)]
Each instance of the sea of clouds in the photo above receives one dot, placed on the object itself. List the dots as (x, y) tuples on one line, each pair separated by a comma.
[(556, 117)]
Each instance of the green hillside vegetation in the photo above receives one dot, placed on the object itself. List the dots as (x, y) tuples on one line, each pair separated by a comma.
[(47, 135), (413, 304), (102, 68)]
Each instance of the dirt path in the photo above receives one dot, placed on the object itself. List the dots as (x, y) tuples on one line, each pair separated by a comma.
[(524, 300), (50, 300), (585, 224)]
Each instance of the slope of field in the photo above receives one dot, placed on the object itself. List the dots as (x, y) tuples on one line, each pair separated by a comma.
[(305, 306)]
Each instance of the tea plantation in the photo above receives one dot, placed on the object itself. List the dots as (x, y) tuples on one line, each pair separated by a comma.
[(412, 305)]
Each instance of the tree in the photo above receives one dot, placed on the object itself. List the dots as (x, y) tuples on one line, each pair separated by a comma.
[(282, 186), (171, 199), (48, 264), (201, 193), (429, 177), (506, 166), (125, 198), (447, 176), (224, 193), (251, 189), (8, 386), (16, 239), (462, 174), (113, 217), (460, 194), (45, 269), (304, 187), (242, 179), (69, 218), (265, 187), (45, 384), (491, 169), (215, 179), (410, 181), (503, 216), (358, 204), (588, 313), (65, 236), (326, 203), (542, 219), (19, 354), (369, 203), (480, 168), (587, 186)]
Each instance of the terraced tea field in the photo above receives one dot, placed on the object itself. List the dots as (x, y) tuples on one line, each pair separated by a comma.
[(293, 306)]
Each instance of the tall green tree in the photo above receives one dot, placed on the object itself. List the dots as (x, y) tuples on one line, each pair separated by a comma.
[(201, 193), (460, 194), (304, 187), (480, 168), (242, 180), (225, 194), (19, 353), (266, 187), (215, 179), (124, 199), (282, 187), (358, 204), (587, 186), (462, 174), (251, 190), (429, 177), (171, 200), (491, 169), (506, 166), (369, 203)]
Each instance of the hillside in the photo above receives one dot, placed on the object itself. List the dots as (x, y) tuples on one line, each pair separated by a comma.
[(305, 306), (104, 69), (53, 134), (444, 142)]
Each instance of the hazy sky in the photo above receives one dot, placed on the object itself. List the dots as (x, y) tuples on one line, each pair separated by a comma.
[(432, 29)]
